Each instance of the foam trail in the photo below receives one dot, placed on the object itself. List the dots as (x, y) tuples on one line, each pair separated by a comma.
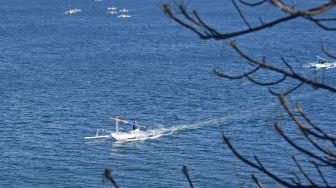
[(232, 116), (158, 132)]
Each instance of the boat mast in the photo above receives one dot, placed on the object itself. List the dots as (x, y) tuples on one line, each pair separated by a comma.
[(117, 126)]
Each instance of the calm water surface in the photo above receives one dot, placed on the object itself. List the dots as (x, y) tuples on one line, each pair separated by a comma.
[(64, 76)]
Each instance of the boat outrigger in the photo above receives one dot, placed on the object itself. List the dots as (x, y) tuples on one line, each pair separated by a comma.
[(120, 133)]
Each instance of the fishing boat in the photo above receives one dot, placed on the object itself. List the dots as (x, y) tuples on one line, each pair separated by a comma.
[(120, 134), (123, 10), (73, 11), (321, 63), (134, 134), (112, 10), (123, 13)]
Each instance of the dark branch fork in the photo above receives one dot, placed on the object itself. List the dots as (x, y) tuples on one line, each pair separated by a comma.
[(324, 157), (211, 33), (259, 166), (306, 132), (253, 4), (321, 157), (285, 74), (327, 52)]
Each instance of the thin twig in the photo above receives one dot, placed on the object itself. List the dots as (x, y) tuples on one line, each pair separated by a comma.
[(186, 174), (253, 4), (108, 175), (240, 13), (256, 180)]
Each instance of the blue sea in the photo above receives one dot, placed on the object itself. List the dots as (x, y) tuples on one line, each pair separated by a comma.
[(64, 76)]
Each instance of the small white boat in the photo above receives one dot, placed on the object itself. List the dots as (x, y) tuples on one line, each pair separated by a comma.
[(112, 12), (321, 64), (123, 13), (73, 11), (123, 16), (121, 135), (123, 10), (112, 8), (325, 65), (134, 134)]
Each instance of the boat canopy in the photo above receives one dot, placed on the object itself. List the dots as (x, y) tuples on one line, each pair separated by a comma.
[(120, 120)]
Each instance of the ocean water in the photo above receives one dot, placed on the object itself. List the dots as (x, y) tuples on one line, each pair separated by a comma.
[(64, 76)]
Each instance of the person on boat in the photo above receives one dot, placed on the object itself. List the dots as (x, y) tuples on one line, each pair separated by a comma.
[(321, 60), (135, 126)]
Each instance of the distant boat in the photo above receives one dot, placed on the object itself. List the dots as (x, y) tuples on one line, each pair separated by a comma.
[(112, 8), (123, 16), (121, 135), (112, 12), (321, 64), (135, 134), (123, 10), (73, 11), (123, 13)]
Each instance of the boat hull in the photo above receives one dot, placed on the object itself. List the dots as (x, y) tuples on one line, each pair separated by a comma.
[(132, 135)]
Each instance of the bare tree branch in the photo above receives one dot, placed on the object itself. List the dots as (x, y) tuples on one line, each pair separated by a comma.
[(211, 33), (167, 9), (253, 4), (221, 74), (320, 173), (292, 75), (256, 180), (288, 65), (323, 135), (240, 13), (320, 24), (303, 172), (250, 163), (298, 182), (185, 172), (267, 83), (323, 157), (301, 149), (306, 132), (327, 52), (294, 88), (311, 12), (108, 175), (325, 19)]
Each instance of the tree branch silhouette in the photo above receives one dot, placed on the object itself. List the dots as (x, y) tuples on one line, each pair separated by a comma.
[(321, 158), (193, 22), (108, 176)]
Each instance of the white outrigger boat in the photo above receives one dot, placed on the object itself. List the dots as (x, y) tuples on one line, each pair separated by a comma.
[(134, 134), (321, 64), (112, 10), (121, 135), (73, 11), (123, 13)]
